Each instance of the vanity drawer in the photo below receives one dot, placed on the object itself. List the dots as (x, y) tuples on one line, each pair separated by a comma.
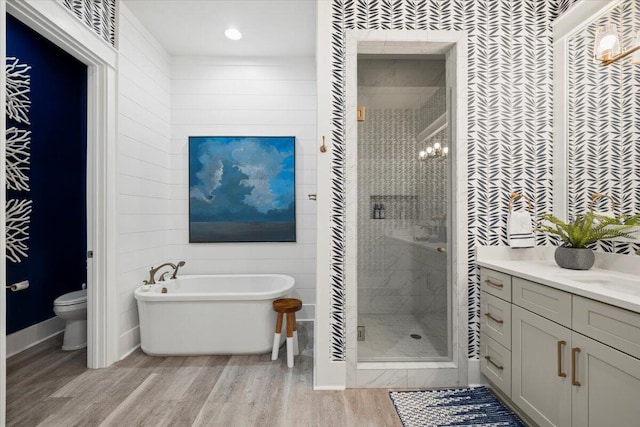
[(495, 283), (495, 319), (542, 300), (495, 363), (610, 325)]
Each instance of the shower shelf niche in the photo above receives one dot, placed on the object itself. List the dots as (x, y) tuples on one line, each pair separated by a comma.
[(395, 206)]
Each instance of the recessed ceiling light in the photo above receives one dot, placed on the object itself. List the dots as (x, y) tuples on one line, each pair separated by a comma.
[(233, 34)]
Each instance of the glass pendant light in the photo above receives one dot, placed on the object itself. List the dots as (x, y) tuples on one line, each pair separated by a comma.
[(607, 43)]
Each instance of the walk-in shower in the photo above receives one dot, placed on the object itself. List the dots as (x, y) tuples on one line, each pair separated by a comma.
[(404, 297)]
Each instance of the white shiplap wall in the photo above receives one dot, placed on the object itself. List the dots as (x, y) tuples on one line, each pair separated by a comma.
[(247, 97), (144, 172)]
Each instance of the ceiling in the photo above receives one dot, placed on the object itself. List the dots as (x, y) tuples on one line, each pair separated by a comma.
[(196, 27)]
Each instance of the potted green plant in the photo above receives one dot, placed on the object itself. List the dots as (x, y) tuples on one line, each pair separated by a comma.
[(583, 231)]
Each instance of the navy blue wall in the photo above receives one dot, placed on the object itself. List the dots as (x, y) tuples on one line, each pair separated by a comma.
[(57, 242)]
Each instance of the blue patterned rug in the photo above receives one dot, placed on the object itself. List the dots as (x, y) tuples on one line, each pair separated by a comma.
[(475, 406)]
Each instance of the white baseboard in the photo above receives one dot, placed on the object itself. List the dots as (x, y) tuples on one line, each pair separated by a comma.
[(35, 334), (308, 313), (129, 341), (328, 387), (475, 376), (127, 354)]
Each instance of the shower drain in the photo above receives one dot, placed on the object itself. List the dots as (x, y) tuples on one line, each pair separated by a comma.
[(415, 336)]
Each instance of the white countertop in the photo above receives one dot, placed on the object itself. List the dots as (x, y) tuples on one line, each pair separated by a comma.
[(548, 273)]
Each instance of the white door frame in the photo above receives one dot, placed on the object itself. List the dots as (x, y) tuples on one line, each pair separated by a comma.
[(3, 241), (54, 22), (453, 45)]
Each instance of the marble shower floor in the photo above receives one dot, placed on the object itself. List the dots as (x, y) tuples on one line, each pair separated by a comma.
[(388, 339)]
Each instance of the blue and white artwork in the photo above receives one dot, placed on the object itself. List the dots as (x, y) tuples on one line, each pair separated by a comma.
[(242, 189)]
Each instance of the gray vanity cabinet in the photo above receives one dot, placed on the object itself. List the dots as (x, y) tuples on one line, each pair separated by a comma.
[(607, 365), (609, 390), (571, 361), (541, 381)]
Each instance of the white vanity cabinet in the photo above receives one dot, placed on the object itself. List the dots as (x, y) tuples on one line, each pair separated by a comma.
[(573, 361)]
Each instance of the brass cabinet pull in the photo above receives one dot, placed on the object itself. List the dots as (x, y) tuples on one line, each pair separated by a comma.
[(494, 363), (560, 373), (574, 363), (492, 283), (494, 319), (442, 250)]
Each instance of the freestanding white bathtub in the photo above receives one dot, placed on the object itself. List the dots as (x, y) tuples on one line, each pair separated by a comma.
[(215, 314)]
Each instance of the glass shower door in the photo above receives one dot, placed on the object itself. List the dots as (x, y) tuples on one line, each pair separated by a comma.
[(403, 209)]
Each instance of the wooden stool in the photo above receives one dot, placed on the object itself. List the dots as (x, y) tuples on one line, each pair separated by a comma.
[(287, 306)]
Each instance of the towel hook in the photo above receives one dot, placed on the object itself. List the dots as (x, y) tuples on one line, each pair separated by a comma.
[(515, 196), (597, 196), (323, 147)]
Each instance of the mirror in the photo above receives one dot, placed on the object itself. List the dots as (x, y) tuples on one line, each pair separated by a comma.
[(596, 108)]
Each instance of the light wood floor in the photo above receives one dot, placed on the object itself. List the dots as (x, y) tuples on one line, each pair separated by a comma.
[(49, 387)]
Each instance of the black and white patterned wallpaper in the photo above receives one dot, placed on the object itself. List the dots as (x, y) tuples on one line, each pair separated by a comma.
[(604, 123), (510, 141), (99, 15)]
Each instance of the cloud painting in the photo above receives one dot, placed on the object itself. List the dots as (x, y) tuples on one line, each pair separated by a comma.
[(242, 189)]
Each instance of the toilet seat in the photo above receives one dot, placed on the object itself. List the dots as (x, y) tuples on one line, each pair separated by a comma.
[(71, 298), (70, 307)]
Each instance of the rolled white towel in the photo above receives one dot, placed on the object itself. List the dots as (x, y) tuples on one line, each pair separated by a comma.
[(520, 231)]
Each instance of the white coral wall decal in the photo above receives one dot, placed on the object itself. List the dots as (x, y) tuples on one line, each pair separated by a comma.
[(18, 218), (18, 159), (18, 88)]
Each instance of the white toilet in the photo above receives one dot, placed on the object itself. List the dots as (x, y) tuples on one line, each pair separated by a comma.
[(72, 307)]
